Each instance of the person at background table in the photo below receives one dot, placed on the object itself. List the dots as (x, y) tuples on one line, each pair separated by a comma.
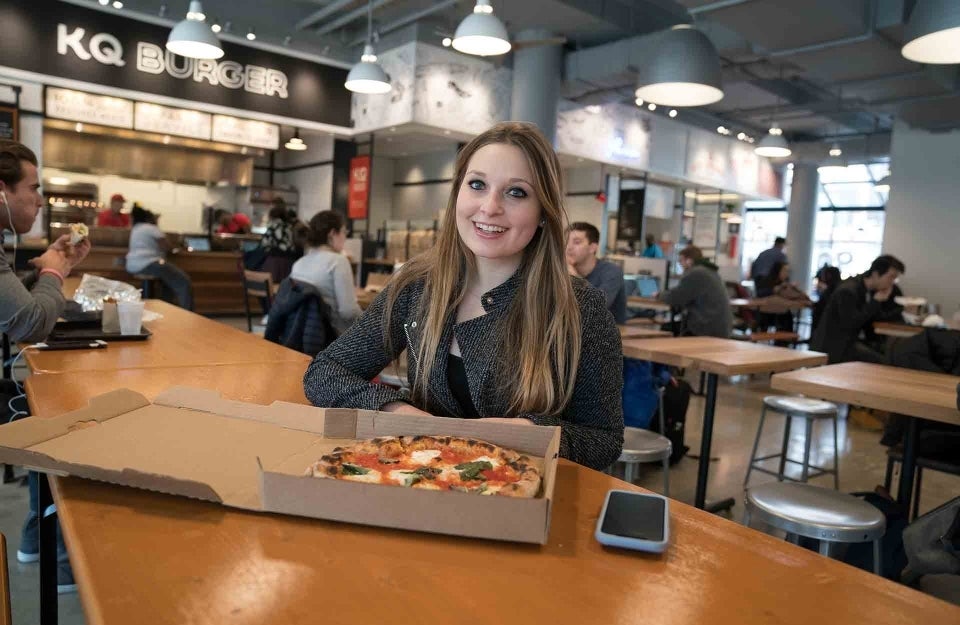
[(583, 240), (232, 223), (702, 297), (147, 256), (30, 308), (761, 267), (278, 242), (828, 279), (784, 295), (493, 324), (324, 267), (853, 307), (652, 250), (113, 216)]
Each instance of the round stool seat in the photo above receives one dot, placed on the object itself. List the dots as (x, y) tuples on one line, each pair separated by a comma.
[(815, 512), (800, 405), (641, 445)]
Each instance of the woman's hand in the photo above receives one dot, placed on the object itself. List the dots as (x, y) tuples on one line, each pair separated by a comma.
[(402, 407), (513, 420)]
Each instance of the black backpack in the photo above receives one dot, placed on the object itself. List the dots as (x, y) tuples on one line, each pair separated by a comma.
[(676, 399)]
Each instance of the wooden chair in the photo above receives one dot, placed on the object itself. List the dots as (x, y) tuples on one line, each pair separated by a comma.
[(258, 284), (5, 616)]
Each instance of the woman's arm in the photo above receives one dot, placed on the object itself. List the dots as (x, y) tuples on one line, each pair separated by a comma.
[(339, 376), (592, 425), (347, 307)]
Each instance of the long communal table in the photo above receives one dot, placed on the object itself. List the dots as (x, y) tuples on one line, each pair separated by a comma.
[(716, 357), (919, 394), (143, 557)]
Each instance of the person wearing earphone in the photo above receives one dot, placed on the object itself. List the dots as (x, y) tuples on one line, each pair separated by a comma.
[(29, 308)]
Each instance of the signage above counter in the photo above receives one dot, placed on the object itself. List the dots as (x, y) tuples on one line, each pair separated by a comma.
[(68, 41), (88, 108)]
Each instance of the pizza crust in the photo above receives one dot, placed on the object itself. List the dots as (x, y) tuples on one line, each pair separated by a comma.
[(433, 463)]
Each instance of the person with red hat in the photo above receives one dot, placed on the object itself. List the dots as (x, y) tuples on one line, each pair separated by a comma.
[(112, 216)]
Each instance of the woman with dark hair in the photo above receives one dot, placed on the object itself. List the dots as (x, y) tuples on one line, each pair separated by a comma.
[(784, 297), (492, 324), (278, 242), (828, 279), (324, 267), (147, 256)]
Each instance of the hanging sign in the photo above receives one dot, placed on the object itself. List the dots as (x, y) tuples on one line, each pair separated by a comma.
[(357, 202)]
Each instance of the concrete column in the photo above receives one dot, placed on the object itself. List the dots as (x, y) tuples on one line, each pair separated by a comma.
[(536, 82), (612, 204), (801, 222)]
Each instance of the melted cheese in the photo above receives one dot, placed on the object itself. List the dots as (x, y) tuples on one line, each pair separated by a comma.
[(424, 456), (371, 477), (493, 461)]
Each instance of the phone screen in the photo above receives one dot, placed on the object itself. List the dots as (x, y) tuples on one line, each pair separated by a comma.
[(634, 516)]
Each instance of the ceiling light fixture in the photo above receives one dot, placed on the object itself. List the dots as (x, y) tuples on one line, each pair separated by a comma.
[(447, 42), (295, 143), (932, 33), (773, 145), (652, 106), (104, 3), (118, 5), (367, 76), (672, 113), (215, 27), (192, 38), (481, 33), (639, 101), (685, 71), (835, 150), (594, 108), (251, 35)]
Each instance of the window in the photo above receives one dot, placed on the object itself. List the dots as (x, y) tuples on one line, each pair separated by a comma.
[(760, 228), (848, 239)]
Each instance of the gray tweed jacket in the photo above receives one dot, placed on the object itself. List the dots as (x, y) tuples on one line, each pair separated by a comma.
[(591, 425)]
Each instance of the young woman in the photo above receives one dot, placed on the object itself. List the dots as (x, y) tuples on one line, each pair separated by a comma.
[(326, 268), (147, 255), (493, 326)]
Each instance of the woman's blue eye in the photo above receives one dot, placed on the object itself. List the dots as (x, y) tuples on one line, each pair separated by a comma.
[(476, 185), (517, 192)]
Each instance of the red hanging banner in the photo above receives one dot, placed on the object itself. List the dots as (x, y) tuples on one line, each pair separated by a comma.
[(359, 187)]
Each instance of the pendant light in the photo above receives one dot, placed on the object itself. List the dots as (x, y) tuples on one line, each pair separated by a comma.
[(295, 143), (933, 32), (481, 33), (367, 76), (192, 38), (684, 72), (773, 145)]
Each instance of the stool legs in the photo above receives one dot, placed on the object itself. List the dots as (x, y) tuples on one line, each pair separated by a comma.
[(628, 470), (876, 557), (663, 432), (805, 468), (756, 444), (784, 447), (836, 454)]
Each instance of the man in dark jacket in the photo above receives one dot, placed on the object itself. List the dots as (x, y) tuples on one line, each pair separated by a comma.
[(702, 297), (853, 307)]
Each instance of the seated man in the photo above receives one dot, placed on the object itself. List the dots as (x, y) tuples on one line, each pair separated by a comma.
[(702, 297), (583, 239), (29, 310), (853, 307)]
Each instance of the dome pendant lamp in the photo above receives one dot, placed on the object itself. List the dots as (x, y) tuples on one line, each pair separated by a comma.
[(367, 76), (481, 33), (933, 33), (684, 72), (192, 38)]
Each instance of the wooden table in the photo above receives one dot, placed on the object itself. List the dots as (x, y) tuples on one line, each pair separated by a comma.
[(716, 357), (635, 301), (181, 338), (905, 391), (641, 332), (143, 557), (896, 330)]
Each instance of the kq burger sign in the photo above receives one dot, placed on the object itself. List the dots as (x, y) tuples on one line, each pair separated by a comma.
[(152, 59), (64, 40)]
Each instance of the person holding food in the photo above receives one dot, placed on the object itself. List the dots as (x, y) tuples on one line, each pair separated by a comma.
[(147, 256), (29, 308), (493, 326)]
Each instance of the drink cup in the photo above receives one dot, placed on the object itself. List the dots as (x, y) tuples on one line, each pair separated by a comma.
[(110, 319), (131, 316)]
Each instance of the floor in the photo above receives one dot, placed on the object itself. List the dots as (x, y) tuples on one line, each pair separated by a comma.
[(862, 465)]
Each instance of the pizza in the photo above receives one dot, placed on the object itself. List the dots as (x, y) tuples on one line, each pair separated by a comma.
[(78, 232), (433, 463)]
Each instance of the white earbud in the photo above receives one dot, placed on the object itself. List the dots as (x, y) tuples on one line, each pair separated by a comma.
[(3, 194)]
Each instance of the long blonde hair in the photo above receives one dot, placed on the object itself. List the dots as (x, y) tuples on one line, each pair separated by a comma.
[(543, 322)]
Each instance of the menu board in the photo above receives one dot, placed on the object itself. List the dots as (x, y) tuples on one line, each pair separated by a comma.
[(705, 226), (172, 121), (78, 106), (9, 123), (246, 132)]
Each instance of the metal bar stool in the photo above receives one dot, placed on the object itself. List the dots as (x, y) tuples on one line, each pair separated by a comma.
[(825, 515), (809, 410), (641, 445)]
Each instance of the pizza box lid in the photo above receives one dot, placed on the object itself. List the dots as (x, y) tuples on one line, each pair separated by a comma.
[(193, 443)]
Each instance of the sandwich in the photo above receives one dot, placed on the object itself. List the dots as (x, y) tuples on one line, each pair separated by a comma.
[(78, 232)]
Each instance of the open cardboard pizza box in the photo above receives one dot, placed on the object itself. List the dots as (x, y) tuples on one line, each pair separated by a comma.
[(193, 443)]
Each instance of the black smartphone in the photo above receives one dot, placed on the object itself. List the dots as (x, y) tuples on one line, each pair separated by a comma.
[(59, 345), (634, 521)]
